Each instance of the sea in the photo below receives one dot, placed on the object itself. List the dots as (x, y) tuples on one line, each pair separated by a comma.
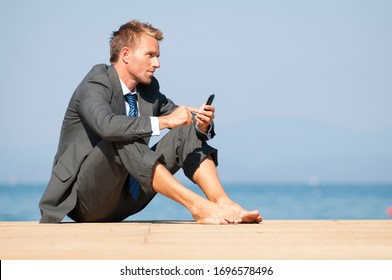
[(275, 201)]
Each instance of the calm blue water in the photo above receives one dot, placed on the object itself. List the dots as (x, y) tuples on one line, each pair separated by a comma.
[(275, 201)]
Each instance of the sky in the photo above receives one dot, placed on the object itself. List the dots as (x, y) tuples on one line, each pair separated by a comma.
[(303, 88)]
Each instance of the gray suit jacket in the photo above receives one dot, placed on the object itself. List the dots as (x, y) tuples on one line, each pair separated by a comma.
[(96, 111)]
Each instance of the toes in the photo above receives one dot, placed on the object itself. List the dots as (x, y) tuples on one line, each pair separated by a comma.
[(251, 217)]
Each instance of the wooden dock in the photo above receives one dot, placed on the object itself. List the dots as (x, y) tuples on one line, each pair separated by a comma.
[(171, 240)]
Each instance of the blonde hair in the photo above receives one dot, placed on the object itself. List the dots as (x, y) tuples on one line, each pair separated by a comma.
[(129, 35)]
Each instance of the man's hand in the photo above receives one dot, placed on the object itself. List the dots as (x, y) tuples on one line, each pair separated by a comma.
[(180, 116), (204, 117)]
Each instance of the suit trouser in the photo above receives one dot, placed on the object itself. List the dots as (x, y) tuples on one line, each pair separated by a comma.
[(102, 183)]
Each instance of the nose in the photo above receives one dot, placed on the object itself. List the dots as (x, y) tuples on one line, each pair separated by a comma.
[(156, 63)]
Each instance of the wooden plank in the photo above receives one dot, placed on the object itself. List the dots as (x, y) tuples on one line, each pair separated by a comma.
[(271, 240)]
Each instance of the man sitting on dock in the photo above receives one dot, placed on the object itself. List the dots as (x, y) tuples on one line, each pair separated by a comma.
[(104, 170)]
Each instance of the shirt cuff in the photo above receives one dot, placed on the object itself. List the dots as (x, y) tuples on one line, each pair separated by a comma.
[(155, 126)]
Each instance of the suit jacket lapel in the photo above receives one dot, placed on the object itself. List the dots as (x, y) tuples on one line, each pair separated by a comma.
[(118, 103), (145, 108)]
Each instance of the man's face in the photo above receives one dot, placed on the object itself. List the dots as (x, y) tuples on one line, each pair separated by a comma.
[(143, 60)]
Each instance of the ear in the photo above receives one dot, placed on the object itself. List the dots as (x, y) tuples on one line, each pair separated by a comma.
[(125, 54)]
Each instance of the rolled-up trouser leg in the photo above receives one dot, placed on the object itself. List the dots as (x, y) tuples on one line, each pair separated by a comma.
[(182, 148)]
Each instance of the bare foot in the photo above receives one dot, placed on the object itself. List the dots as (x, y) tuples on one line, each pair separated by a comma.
[(246, 216), (212, 213)]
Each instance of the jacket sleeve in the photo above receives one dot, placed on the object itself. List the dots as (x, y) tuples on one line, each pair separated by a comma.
[(94, 104)]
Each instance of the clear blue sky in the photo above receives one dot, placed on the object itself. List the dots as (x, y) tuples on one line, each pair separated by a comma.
[(303, 88)]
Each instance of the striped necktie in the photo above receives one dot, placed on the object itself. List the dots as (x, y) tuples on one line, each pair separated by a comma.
[(131, 100), (134, 186)]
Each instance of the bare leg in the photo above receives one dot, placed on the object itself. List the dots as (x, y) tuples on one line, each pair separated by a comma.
[(203, 210), (206, 177)]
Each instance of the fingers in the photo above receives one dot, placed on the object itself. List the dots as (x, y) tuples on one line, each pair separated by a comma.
[(183, 114), (209, 108), (193, 110), (205, 110), (202, 109), (203, 116)]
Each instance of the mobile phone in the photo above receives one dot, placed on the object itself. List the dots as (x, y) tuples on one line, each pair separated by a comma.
[(210, 99)]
